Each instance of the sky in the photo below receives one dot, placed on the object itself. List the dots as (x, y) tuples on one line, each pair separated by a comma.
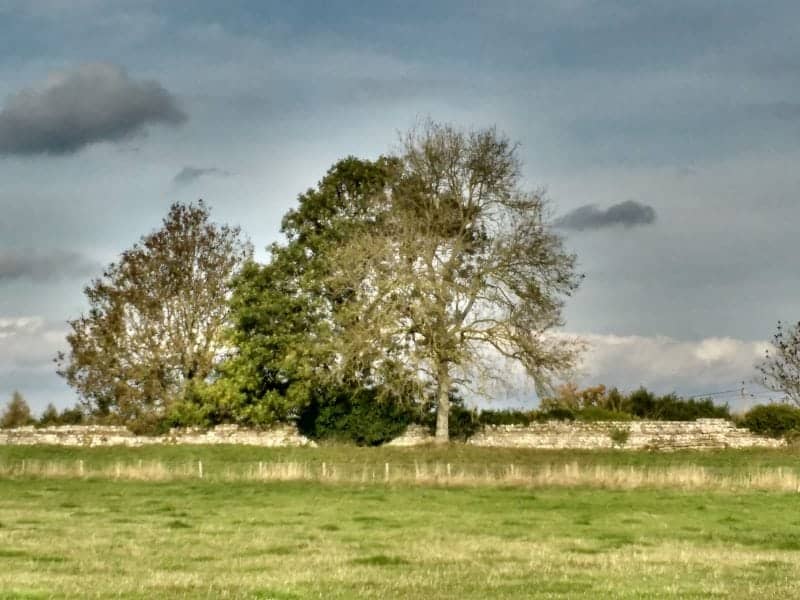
[(665, 134)]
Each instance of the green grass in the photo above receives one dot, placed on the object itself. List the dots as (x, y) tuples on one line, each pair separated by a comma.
[(100, 537)]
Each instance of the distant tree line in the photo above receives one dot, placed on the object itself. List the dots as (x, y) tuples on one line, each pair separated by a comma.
[(17, 413)]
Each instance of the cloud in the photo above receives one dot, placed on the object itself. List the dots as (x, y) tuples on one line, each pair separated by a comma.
[(73, 109), (589, 216), (28, 345), (44, 267), (29, 342), (785, 111), (13, 326), (665, 364), (189, 174)]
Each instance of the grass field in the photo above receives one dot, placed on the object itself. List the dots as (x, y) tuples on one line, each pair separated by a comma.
[(63, 535)]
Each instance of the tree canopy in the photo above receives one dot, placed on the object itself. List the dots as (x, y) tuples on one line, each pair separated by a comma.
[(402, 284), (156, 317), (409, 277), (460, 268), (288, 319)]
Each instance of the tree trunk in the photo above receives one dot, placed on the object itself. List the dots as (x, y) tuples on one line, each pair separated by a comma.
[(443, 407)]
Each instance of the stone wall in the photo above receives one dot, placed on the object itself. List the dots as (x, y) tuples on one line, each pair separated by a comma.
[(702, 434), (95, 435), (634, 435), (415, 435)]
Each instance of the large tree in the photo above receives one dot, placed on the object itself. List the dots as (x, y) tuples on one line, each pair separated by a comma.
[(460, 270), (780, 370), (156, 317), (287, 318)]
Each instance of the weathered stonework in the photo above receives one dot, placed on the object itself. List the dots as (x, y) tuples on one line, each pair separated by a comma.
[(702, 434), (415, 435), (95, 435)]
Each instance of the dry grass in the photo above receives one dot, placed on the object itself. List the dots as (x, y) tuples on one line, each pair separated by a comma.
[(571, 474)]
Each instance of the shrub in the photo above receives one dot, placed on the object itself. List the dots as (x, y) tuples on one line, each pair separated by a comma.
[(596, 413), (619, 435), (507, 417), (72, 416), (148, 424), (361, 417), (775, 420), (646, 405), (556, 413)]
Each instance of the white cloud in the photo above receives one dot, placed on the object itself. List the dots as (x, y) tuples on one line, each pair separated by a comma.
[(28, 345), (29, 342), (665, 364)]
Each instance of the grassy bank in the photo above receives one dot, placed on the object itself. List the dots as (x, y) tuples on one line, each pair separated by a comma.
[(101, 538)]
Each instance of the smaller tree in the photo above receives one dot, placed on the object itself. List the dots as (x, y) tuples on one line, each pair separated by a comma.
[(49, 416), (780, 370), (17, 413), (154, 329)]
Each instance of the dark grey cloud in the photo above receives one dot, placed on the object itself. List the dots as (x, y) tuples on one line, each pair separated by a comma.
[(89, 104), (15, 265), (787, 111), (589, 216), (189, 174)]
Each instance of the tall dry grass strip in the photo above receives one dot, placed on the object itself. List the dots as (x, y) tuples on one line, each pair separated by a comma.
[(688, 477)]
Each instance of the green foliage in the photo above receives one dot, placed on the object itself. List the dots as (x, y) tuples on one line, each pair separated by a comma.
[(361, 417), (68, 416), (619, 435), (596, 413), (508, 417), (463, 422), (72, 416), (600, 404), (49, 416), (775, 420), (557, 413), (646, 405), (285, 319), (147, 423), (17, 413)]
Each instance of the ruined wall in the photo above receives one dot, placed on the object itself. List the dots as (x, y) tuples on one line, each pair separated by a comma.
[(95, 435), (634, 435), (702, 434)]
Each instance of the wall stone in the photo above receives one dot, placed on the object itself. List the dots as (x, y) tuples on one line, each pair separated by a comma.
[(702, 434), (95, 436)]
